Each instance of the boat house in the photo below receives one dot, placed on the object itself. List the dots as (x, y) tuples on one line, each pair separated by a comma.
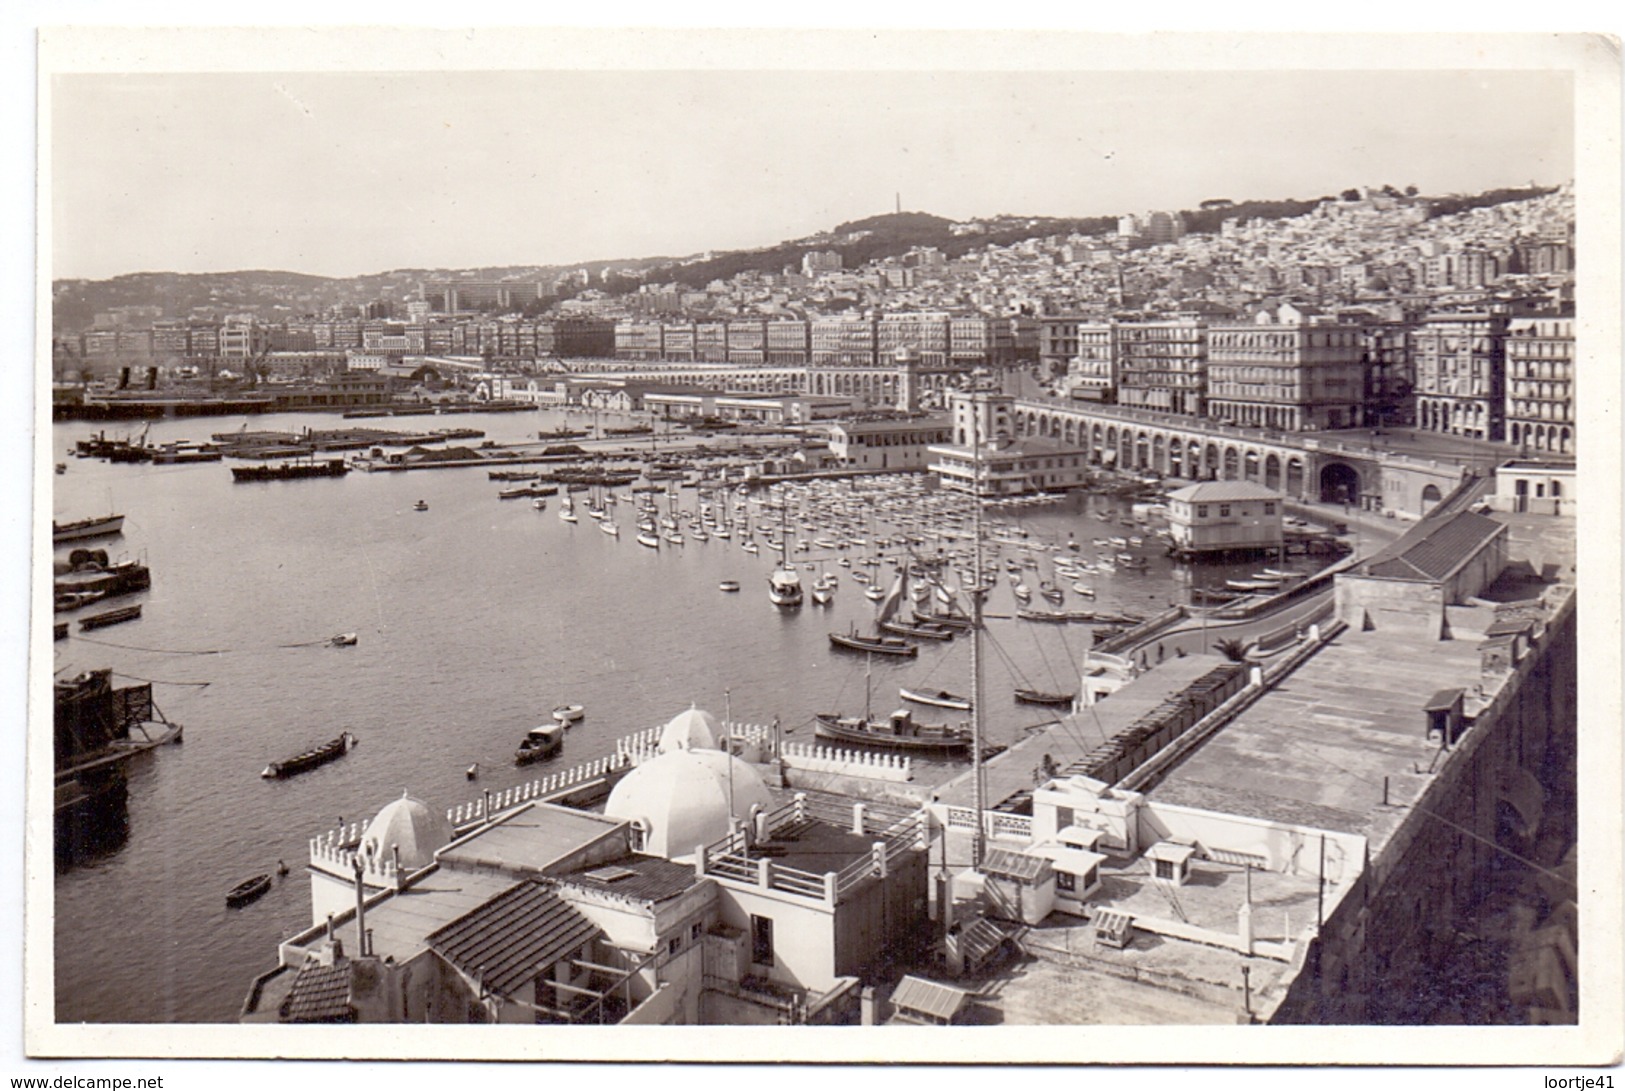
[(1218, 517)]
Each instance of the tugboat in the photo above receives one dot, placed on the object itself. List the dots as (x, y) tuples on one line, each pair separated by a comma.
[(540, 742)]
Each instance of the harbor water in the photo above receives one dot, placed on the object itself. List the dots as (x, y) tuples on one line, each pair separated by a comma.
[(474, 618)]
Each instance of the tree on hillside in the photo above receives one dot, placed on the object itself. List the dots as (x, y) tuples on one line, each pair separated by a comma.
[(1351, 195)]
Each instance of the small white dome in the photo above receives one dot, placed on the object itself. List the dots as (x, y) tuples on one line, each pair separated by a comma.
[(694, 729), (417, 828), (680, 799)]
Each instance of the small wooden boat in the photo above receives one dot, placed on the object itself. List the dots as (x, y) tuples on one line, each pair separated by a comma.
[(940, 698), (310, 759), (342, 640), (923, 630), (728, 585), (421, 505), (72, 600), (569, 714), (879, 645), (1253, 585), (248, 890), (540, 742), (110, 617), (1039, 697), (60, 631)]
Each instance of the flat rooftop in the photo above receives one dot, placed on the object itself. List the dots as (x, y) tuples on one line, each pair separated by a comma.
[(529, 841)]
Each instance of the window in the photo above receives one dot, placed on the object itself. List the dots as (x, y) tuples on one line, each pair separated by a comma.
[(1165, 869), (674, 945), (695, 929), (761, 940), (1224, 510), (1269, 507), (1201, 511), (1065, 880)]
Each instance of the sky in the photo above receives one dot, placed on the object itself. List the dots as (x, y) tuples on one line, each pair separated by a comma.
[(345, 173)]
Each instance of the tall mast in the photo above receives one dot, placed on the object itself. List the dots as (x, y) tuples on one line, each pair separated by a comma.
[(978, 782)]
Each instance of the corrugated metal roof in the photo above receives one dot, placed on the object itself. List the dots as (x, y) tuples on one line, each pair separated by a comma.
[(508, 940), (319, 994), (1213, 492), (1014, 865), (929, 998)]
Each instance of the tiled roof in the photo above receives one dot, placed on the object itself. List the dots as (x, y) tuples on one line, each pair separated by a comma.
[(1433, 552), (1219, 492), (320, 994), (508, 940)]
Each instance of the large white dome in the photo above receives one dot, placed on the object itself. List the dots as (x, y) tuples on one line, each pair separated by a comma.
[(679, 800), (419, 829), (694, 729)]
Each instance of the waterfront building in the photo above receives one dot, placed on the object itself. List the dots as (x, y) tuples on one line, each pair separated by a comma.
[(696, 896), (1540, 385), (789, 343), (1390, 377), (1287, 372), (1460, 362), (1224, 516), (887, 443), (985, 457), (1162, 365)]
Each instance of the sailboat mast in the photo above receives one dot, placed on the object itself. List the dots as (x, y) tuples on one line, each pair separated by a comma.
[(978, 781)]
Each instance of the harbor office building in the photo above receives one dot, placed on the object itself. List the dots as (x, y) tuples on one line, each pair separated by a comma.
[(984, 456), (1224, 516)]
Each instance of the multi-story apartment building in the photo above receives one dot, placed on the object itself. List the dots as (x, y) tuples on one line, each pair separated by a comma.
[(1162, 365), (1540, 384), (711, 342), (844, 341), (638, 341), (1461, 374), (976, 340), (747, 342), (1082, 353), (926, 333), (1289, 373), (787, 342), (1390, 377)]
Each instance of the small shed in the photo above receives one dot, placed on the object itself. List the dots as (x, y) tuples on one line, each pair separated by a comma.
[(1113, 928), (1077, 875), (1083, 838), (1171, 861), (1020, 885), (1444, 715), (917, 1000)]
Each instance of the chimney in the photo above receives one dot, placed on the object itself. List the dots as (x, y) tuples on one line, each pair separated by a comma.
[(360, 910)]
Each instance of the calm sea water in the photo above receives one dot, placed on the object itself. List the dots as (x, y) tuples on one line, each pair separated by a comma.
[(475, 618)]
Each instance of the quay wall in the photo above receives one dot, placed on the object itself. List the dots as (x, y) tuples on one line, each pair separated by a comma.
[(1375, 959)]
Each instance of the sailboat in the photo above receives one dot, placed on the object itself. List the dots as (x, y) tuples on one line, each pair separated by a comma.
[(888, 621), (567, 509)]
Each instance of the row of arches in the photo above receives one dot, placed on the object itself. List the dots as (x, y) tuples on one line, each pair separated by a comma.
[(1546, 438), (1192, 457), (1454, 417)]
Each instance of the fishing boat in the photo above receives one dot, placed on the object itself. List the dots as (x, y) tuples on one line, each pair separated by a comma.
[(569, 714), (941, 698), (247, 890), (539, 504), (728, 585), (898, 731), (110, 617), (1253, 585), (342, 640), (328, 751), (879, 645), (1040, 697), (539, 742), (97, 527), (421, 505)]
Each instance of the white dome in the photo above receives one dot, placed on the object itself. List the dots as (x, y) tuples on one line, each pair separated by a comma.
[(694, 729), (680, 799), (417, 828)]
